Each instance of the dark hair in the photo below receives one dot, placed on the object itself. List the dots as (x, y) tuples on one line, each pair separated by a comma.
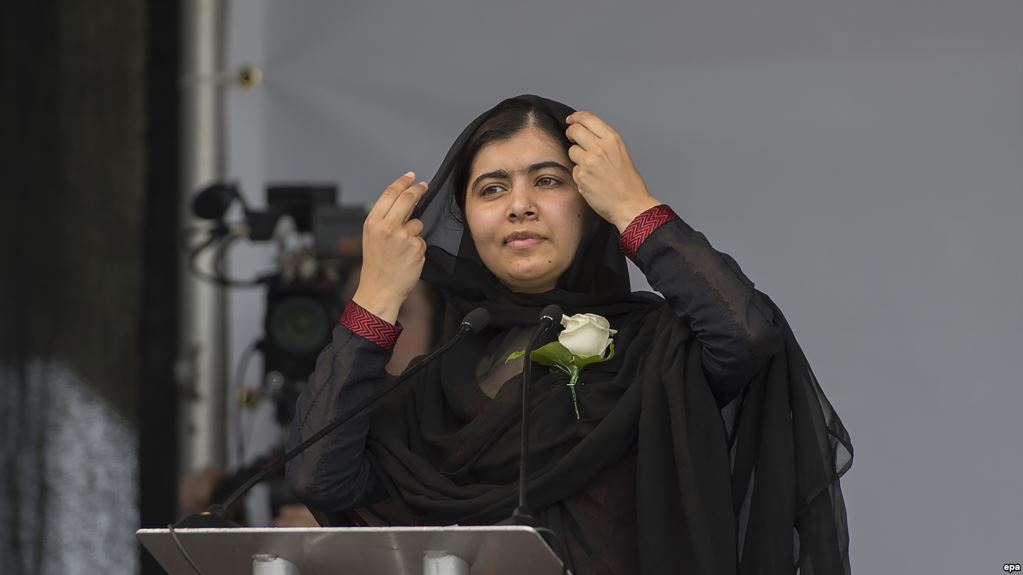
[(505, 120)]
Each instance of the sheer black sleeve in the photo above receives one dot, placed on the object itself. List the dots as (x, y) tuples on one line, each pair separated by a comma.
[(707, 289), (334, 474)]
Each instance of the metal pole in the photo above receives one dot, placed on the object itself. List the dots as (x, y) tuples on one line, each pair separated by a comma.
[(201, 366)]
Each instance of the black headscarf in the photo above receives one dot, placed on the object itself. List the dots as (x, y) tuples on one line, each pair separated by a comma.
[(752, 488)]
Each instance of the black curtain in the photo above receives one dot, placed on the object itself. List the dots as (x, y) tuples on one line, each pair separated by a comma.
[(157, 398), (88, 284)]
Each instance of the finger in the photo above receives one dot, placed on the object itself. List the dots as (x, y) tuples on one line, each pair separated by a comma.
[(391, 193), (582, 136), (593, 123), (577, 154), (577, 173), (403, 205), (414, 227)]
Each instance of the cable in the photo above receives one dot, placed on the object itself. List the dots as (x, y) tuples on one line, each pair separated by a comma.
[(220, 238), (239, 383), (185, 233), (559, 548), (181, 548), (220, 254), (219, 279)]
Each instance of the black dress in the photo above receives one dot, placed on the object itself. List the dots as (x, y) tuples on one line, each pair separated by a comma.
[(705, 289)]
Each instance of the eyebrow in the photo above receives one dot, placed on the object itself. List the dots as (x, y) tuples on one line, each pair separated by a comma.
[(532, 168)]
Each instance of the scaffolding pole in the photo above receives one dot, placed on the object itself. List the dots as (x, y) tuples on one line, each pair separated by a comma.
[(202, 374)]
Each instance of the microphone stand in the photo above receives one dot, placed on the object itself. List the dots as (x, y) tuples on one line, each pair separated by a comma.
[(215, 516), (523, 515)]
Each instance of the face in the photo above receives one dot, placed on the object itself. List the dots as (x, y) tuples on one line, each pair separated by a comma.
[(524, 211)]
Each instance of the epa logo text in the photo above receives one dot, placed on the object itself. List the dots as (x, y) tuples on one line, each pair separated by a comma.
[(1011, 567)]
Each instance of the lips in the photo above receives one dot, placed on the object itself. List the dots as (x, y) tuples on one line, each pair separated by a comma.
[(523, 239)]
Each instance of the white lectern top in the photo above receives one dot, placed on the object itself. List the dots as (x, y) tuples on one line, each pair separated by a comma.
[(505, 550)]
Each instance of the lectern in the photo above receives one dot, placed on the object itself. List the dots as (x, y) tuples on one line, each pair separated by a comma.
[(504, 550)]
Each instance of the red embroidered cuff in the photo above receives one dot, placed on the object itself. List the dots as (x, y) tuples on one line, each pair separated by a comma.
[(363, 323), (640, 228)]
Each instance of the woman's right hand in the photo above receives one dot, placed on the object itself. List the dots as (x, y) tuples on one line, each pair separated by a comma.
[(393, 252)]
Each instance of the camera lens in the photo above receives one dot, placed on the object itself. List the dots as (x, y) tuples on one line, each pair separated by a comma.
[(300, 325)]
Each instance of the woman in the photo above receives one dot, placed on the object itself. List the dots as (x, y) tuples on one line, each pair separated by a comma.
[(704, 445)]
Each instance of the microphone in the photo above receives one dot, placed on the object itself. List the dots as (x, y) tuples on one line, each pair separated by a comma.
[(214, 200), (215, 516), (523, 515), (549, 316), (475, 320)]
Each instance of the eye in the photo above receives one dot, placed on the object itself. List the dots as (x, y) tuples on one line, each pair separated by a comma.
[(491, 189), (547, 182)]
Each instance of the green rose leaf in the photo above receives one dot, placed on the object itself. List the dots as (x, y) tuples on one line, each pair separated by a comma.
[(550, 355)]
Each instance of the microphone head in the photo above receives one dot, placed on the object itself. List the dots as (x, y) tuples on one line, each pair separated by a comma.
[(476, 320), (214, 200), (551, 313)]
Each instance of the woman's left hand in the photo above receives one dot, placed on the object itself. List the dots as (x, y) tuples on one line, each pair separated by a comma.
[(604, 172)]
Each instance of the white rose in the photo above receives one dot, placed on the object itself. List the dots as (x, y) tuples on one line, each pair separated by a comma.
[(585, 334)]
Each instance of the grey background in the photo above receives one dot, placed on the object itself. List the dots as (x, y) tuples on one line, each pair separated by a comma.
[(863, 162)]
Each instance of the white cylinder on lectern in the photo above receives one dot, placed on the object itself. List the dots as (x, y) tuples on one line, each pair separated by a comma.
[(444, 563), (269, 564)]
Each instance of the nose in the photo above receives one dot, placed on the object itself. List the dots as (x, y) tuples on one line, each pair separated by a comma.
[(520, 202)]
